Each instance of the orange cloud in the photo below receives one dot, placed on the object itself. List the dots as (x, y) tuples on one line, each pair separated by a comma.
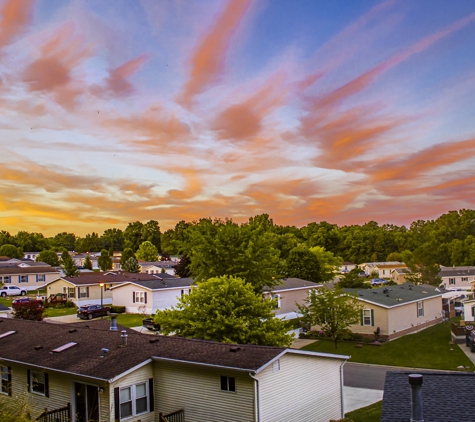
[(15, 16), (208, 59)]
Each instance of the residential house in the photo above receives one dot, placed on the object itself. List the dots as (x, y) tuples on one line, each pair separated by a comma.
[(28, 278), (92, 288), (383, 269), (289, 293), (4, 311), (457, 277), (147, 296), (398, 310), (98, 374), (444, 397), (157, 267), (399, 275), (346, 267), (31, 255), (80, 258)]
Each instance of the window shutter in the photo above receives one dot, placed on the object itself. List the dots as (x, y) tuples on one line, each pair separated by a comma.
[(87, 291), (28, 374), (422, 303), (362, 317), (133, 297), (46, 385), (145, 297), (150, 395), (9, 388), (116, 404), (37, 277), (19, 279), (372, 317), (473, 311)]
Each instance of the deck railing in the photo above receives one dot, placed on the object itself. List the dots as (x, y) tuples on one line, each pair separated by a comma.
[(57, 415), (177, 416)]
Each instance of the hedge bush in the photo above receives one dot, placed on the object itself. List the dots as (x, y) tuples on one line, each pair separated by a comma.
[(117, 309)]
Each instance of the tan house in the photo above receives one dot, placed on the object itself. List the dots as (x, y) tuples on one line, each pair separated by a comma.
[(289, 293), (399, 275), (457, 277), (28, 278), (86, 371), (398, 310), (92, 288), (147, 296), (383, 269)]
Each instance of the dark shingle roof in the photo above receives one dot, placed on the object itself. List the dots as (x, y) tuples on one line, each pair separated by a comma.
[(3, 307), (166, 283), (446, 397), (108, 277), (29, 270), (396, 295), (91, 337), (454, 272), (294, 283)]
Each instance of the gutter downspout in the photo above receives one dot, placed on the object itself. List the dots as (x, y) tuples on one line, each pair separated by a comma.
[(256, 389), (341, 390)]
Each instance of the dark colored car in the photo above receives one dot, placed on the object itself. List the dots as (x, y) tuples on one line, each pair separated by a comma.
[(150, 325), (92, 311), (26, 300)]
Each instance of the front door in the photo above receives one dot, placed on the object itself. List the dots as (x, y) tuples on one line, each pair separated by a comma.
[(86, 407)]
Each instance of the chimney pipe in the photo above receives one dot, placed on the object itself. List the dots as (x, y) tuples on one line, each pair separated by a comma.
[(113, 326), (124, 338), (415, 381)]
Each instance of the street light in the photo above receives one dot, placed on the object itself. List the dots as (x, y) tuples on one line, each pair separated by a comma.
[(101, 285)]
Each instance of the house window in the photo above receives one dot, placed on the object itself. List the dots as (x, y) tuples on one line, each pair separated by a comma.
[(71, 292), (83, 292), (23, 279), (6, 381), (451, 280), (276, 365), (228, 383), (140, 297), (38, 383), (420, 309), (5, 279), (464, 278), (40, 277), (133, 400), (185, 292), (368, 317), (278, 299)]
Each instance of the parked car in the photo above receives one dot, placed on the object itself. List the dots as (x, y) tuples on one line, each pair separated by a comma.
[(24, 300), (12, 291), (92, 311), (150, 325), (378, 281), (362, 274)]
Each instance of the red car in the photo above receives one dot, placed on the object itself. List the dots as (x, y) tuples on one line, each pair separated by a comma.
[(92, 311), (26, 300)]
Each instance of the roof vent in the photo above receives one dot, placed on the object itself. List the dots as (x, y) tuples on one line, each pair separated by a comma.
[(104, 351), (154, 340), (8, 333), (73, 330), (123, 337), (375, 293), (234, 349), (38, 347), (64, 347)]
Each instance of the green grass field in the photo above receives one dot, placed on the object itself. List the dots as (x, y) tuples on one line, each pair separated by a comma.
[(430, 349), (371, 413)]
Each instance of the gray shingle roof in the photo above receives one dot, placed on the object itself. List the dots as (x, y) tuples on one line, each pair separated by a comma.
[(446, 397), (33, 342), (3, 307), (454, 272), (166, 283), (28, 270), (396, 295), (294, 283), (108, 278)]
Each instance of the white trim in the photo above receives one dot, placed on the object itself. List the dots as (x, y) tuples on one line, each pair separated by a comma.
[(117, 377), (398, 304), (204, 364), (296, 288)]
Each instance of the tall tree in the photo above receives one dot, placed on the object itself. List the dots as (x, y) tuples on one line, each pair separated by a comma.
[(173, 240), (328, 262), (11, 251), (302, 263), (88, 263), (131, 265), (68, 266), (182, 267), (225, 309), (352, 280), (133, 235), (147, 252), (89, 243), (332, 310), (104, 261), (112, 239), (217, 248), (49, 257), (64, 240), (127, 253)]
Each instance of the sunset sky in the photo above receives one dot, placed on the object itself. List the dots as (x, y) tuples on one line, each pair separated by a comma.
[(345, 111)]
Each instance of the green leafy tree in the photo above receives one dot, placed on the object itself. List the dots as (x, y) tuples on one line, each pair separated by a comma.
[(49, 257), (64, 240), (332, 310), (147, 252), (87, 263), (217, 248), (11, 251), (394, 256), (105, 261), (31, 242), (352, 280), (112, 239), (173, 240), (127, 253), (89, 243), (225, 309), (136, 233), (328, 262), (182, 267), (302, 263), (6, 238), (422, 268), (131, 265), (68, 266)]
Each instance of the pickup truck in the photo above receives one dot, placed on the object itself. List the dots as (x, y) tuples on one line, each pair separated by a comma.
[(150, 325), (12, 291)]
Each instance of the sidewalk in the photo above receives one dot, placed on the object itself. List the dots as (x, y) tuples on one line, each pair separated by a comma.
[(356, 398), (467, 351)]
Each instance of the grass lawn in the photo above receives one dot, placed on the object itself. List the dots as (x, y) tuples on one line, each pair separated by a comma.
[(428, 349), (130, 320), (371, 413), (56, 311)]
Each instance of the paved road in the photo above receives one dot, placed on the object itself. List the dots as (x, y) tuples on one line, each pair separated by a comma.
[(365, 376)]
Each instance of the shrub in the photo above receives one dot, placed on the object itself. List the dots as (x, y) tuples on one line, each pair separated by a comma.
[(29, 310), (69, 304), (117, 309)]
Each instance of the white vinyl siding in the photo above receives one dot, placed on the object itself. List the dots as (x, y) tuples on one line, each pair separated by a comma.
[(197, 389), (310, 384)]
